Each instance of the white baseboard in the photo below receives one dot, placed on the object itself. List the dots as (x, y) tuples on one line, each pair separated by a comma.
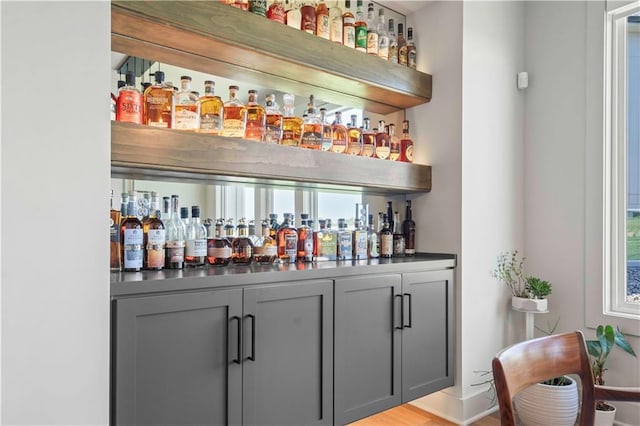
[(451, 407)]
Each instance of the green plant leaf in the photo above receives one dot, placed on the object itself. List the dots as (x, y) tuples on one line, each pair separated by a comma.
[(594, 348), (622, 343)]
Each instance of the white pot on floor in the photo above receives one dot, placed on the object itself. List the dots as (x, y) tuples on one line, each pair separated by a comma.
[(547, 405)]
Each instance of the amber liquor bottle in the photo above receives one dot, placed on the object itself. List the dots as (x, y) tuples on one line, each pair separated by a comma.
[(411, 49), (273, 123), (186, 109), (338, 135), (398, 236), (218, 247), (348, 26), (242, 247), (287, 240), (406, 144), (305, 239), (323, 26), (409, 231), (129, 105), (256, 118), (131, 235), (386, 239), (234, 115), (211, 110), (115, 257), (368, 138), (312, 128), (291, 125), (383, 143), (327, 131), (265, 251), (394, 143), (354, 142), (175, 231), (158, 101), (154, 237)]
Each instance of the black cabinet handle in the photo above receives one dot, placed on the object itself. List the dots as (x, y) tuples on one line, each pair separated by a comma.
[(238, 359), (252, 357), (410, 311), (393, 311)]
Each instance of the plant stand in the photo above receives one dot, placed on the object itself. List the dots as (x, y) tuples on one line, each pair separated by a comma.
[(529, 321)]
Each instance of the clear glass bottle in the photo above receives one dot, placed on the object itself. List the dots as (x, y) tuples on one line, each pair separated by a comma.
[(287, 240), (338, 135), (276, 12), (386, 239), (291, 125), (218, 247), (348, 26), (360, 28), (293, 14), (409, 231), (360, 241), (273, 121), (186, 109), (354, 141), (175, 232), (394, 143), (158, 102), (305, 239), (383, 143), (131, 235), (406, 144), (368, 139), (256, 118), (184, 216), (372, 31), (402, 46), (166, 209), (398, 236), (327, 131), (265, 251), (308, 11), (241, 246), (235, 115), (373, 240), (211, 110), (411, 49), (115, 256), (195, 252), (129, 104), (154, 237), (393, 42), (312, 128), (323, 24), (335, 23), (383, 36)]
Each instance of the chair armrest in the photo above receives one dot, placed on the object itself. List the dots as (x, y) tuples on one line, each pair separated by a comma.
[(610, 393)]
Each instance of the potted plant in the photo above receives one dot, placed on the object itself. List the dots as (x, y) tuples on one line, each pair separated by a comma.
[(607, 337), (528, 293)]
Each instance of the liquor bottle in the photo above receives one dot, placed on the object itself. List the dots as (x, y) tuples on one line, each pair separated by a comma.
[(338, 135), (259, 7), (291, 125), (154, 237), (323, 26), (273, 226), (305, 239), (131, 235), (287, 240), (308, 11), (175, 231), (394, 143), (327, 133), (256, 118), (218, 247), (195, 251), (252, 231), (265, 250), (186, 110), (402, 46), (360, 240), (361, 28), (241, 246), (411, 49), (383, 143), (373, 240), (328, 244), (124, 207), (115, 257), (158, 101), (383, 36), (273, 122), (409, 231), (211, 110), (184, 217), (390, 214), (372, 31), (276, 12), (386, 239), (144, 203), (229, 230), (368, 139), (129, 104), (293, 14), (335, 23), (345, 241), (234, 116), (406, 144), (398, 236), (348, 26), (312, 128), (393, 43), (354, 142)]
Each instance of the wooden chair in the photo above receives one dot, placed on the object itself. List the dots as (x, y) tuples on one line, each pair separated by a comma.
[(536, 360)]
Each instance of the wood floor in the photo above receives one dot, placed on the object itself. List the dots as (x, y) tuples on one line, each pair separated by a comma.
[(409, 415)]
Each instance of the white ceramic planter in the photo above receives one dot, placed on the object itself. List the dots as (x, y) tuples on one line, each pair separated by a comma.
[(526, 304), (545, 405), (605, 418)]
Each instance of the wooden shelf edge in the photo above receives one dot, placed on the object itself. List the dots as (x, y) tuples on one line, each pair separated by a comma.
[(143, 152)]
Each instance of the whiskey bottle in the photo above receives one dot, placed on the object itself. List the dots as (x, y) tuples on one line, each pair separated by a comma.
[(383, 144), (211, 110), (345, 241), (360, 240), (354, 141), (229, 230), (115, 258), (411, 49), (402, 46), (256, 118), (158, 101), (312, 128), (265, 251), (406, 144), (131, 235), (338, 135), (291, 125), (383, 36), (276, 12), (242, 247), (218, 247), (393, 43), (293, 14), (323, 28), (327, 133), (373, 240), (273, 122), (308, 11), (394, 143), (305, 239), (259, 7), (335, 23), (186, 110), (368, 139), (175, 231), (398, 236), (409, 231), (348, 26), (360, 28), (129, 105), (386, 239), (234, 116), (372, 31), (154, 237), (195, 250), (287, 240)]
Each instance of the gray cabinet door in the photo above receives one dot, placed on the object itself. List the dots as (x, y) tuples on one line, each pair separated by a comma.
[(288, 354), (174, 359), (367, 346), (427, 344)]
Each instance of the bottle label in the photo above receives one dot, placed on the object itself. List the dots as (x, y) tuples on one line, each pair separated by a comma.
[(233, 128), (276, 13), (219, 252), (349, 36), (345, 245), (329, 246), (311, 140), (196, 248), (409, 153), (398, 245), (386, 245), (129, 106), (360, 250), (294, 18), (289, 138), (336, 30), (259, 7), (186, 117), (411, 58), (402, 55), (272, 133), (361, 38), (175, 251), (367, 150), (372, 43), (308, 246), (291, 246), (132, 237), (133, 257), (393, 52), (155, 257), (322, 26), (383, 151), (210, 123), (308, 18), (155, 237)]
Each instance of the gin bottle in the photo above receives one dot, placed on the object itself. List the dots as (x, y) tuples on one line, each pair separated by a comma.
[(345, 241), (335, 23)]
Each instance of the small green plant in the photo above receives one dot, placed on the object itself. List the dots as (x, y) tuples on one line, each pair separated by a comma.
[(538, 288), (510, 270)]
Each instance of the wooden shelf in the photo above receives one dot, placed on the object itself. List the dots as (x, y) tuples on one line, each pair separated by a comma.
[(215, 38), (141, 152)]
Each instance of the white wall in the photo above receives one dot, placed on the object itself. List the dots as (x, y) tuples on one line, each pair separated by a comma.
[(55, 185)]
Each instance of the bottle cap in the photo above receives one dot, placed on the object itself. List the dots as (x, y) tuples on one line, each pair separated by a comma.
[(304, 216), (195, 211), (159, 76), (209, 83), (130, 78), (184, 212), (185, 77), (234, 88)]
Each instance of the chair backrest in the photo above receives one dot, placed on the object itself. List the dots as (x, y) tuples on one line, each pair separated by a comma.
[(533, 361)]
